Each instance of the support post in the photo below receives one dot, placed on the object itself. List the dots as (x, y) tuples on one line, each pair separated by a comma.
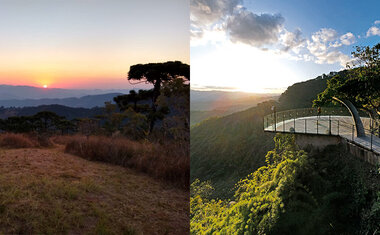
[(338, 127), (275, 121), (305, 126), (330, 127), (317, 126)]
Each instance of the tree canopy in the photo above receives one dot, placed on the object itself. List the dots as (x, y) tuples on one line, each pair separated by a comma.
[(156, 73), (360, 83), (146, 101)]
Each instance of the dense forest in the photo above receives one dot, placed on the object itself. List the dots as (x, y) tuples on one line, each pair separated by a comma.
[(296, 192)]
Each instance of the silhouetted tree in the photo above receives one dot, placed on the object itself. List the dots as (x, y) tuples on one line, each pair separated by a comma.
[(18, 124), (65, 126), (46, 120), (156, 74)]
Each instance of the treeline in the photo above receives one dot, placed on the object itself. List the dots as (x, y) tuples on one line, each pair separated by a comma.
[(69, 113), (41, 122)]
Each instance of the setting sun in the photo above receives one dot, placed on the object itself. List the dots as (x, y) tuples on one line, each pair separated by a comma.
[(45, 86)]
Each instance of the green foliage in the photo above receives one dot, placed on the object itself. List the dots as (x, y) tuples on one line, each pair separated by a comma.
[(223, 150), (359, 84), (137, 126), (156, 74), (137, 102), (302, 94), (203, 189), (176, 95), (327, 192)]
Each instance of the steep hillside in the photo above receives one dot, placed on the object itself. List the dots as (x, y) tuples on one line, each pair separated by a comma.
[(198, 116), (226, 149), (296, 192), (302, 94), (46, 191)]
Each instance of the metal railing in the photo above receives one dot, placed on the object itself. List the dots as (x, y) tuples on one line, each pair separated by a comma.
[(330, 121)]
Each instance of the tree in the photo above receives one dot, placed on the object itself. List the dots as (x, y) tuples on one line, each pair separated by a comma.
[(156, 74), (176, 95), (65, 126), (360, 83), (134, 100), (45, 120)]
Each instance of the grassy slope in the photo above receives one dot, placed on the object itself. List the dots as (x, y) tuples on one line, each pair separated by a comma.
[(48, 191)]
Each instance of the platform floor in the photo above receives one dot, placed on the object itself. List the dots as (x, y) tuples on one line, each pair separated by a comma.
[(325, 125)]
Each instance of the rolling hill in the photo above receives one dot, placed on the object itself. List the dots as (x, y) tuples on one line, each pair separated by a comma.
[(8, 92), (207, 104), (67, 112), (88, 101)]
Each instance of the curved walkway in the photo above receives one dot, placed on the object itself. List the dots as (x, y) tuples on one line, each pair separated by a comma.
[(342, 126)]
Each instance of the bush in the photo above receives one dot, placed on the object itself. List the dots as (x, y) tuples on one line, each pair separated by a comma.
[(169, 161), (10, 140), (61, 139)]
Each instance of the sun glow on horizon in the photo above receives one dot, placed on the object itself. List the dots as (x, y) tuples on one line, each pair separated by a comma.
[(45, 86), (238, 67)]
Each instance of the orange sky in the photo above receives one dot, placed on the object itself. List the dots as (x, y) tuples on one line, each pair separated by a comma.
[(76, 44)]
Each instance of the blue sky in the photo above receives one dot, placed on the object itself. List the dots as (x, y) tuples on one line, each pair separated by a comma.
[(265, 46), (88, 43)]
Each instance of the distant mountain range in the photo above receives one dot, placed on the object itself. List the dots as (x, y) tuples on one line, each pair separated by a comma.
[(207, 104), (88, 101), (67, 112), (8, 92)]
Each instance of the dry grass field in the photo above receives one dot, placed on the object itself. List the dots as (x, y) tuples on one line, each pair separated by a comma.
[(45, 190)]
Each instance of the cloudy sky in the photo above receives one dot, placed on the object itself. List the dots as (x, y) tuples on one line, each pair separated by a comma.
[(267, 45), (88, 43)]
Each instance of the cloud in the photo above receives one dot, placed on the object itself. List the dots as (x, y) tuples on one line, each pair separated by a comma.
[(252, 29), (323, 47), (207, 88), (347, 39), (206, 12), (291, 40), (324, 35), (333, 57), (222, 21), (373, 31), (377, 22), (240, 24)]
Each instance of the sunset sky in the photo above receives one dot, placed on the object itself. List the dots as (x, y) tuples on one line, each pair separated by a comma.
[(88, 43), (266, 46)]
